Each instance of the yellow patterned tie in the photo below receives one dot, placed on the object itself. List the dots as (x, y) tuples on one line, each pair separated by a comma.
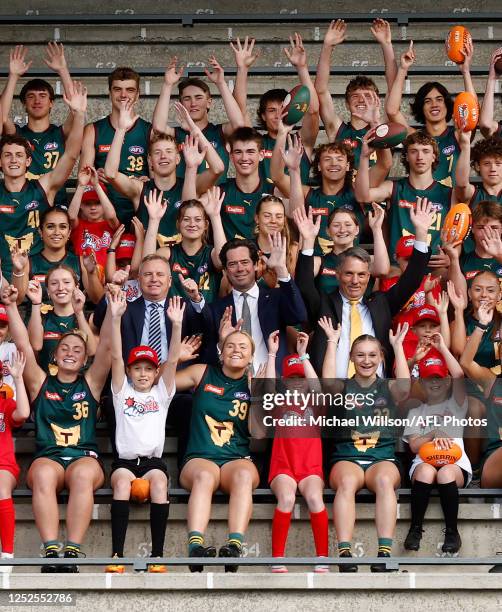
[(356, 329)]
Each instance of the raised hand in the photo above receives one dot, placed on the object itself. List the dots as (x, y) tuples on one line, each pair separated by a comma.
[(155, 204), (371, 114), (449, 242), (496, 55), (397, 339), (34, 292), (76, 97), (17, 61), (138, 229), (117, 236), (437, 341), (173, 75), (120, 277), (431, 282), (305, 224), (9, 294), (189, 347), (485, 313), (277, 259), (376, 217), (19, 258), (212, 201), (191, 288), (78, 301), (439, 259), (422, 215), (302, 342), (193, 156), (332, 333), (296, 54), (118, 303), (468, 53), (16, 368), (492, 242), (90, 262), (226, 326), (336, 33), (273, 342), (292, 156), (243, 52), (408, 57), (183, 117), (217, 76), (441, 305), (84, 176), (55, 58), (423, 347), (381, 31), (458, 300), (176, 309), (126, 115)]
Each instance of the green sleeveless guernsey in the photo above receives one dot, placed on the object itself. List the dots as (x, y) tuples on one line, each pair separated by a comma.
[(354, 138), (19, 220), (238, 209), (47, 148), (40, 266), (471, 264), (214, 133), (449, 152), (326, 280), (54, 327), (479, 195), (267, 150), (168, 232), (65, 419), (199, 267), (324, 205), (219, 426), (133, 158), (404, 196)]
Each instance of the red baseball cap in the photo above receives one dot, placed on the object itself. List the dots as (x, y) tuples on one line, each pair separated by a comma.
[(90, 194), (426, 313), (143, 353), (292, 366), (432, 366), (125, 250), (3, 314), (404, 246)]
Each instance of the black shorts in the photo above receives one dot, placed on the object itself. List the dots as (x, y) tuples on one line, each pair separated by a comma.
[(140, 466)]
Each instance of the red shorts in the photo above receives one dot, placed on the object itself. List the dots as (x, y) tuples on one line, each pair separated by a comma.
[(13, 468), (297, 458)]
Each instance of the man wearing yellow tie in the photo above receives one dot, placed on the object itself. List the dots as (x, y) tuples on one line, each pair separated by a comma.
[(373, 314)]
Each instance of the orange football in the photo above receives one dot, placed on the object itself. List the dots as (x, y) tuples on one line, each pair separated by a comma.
[(439, 457), (455, 41), (140, 490), (466, 111), (457, 223)]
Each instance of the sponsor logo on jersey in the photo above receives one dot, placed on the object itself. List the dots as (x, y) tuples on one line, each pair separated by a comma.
[(235, 210), (328, 272), (471, 274), (320, 211), (50, 335), (179, 268), (79, 396), (266, 153), (39, 277), (136, 149), (497, 400), (351, 143), (5, 208), (242, 395), (380, 401), (51, 146), (448, 150), (176, 204), (406, 204), (53, 396), (212, 389), (103, 148), (32, 205)]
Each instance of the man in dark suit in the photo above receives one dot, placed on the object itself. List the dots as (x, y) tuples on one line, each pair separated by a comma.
[(256, 309), (373, 315)]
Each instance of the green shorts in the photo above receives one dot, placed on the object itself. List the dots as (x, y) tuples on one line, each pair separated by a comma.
[(219, 462), (65, 461), (364, 464)]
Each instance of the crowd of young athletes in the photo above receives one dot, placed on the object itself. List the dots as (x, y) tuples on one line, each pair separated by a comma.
[(159, 287)]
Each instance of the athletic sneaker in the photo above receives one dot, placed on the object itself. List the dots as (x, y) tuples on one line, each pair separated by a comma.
[(115, 568), (201, 551), (279, 569), (51, 569), (6, 569), (413, 538), (73, 568), (380, 567), (157, 568), (348, 567), (230, 550), (452, 541)]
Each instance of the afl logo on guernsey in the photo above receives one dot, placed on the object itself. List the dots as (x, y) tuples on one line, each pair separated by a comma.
[(448, 150), (53, 396), (242, 395), (137, 150), (51, 146), (212, 389), (176, 204), (202, 269), (78, 396), (32, 205)]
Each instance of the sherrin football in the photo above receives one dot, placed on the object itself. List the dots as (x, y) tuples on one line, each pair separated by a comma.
[(457, 223), (140, 490), (455, 41), (388, 135), (466, 111), (439, 457), (296, 103)]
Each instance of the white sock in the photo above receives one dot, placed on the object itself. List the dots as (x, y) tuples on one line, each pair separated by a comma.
[(7, 555)]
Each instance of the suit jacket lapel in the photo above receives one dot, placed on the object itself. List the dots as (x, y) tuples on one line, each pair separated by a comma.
[(138, 316)]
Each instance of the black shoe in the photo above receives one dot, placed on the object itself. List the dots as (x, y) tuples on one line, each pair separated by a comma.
[(201, 551), (71, 569), (230, 550), (50, 569), (452, 541), (413, 538), (380, 567), (496, 569), (347, 567)]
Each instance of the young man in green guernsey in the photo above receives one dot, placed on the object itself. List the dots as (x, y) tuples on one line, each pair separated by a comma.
[(420, 155), (47, 140), (123, 85), (270, 105), (195, 96), (163, 159), (23, 200), (360, 93), (433, 109)]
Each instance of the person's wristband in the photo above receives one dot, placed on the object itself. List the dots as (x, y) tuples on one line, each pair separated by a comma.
[(481, 326), (272, 355), (305, 357), (18, 275), (36, 303), (111, 250), (333, 341)]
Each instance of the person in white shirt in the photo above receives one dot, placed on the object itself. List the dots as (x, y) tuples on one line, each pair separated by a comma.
[(140, 411)]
